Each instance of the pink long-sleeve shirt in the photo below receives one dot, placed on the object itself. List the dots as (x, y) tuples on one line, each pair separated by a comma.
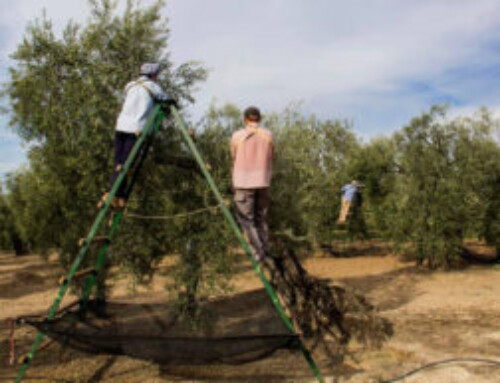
[(252, 152)]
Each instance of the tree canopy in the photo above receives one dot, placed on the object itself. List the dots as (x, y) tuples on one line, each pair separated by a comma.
[(426, 188)]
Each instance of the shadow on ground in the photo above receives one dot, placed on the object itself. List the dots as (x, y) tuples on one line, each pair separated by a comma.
[(390, 290), (356, 248), (24, 282), (239, 337)]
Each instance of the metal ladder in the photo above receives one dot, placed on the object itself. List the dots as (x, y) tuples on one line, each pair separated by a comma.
[(135, 160)]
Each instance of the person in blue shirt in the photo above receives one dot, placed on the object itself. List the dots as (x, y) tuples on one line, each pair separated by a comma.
[(348, 193)]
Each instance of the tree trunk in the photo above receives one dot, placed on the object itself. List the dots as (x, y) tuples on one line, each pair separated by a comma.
[(20, 247)]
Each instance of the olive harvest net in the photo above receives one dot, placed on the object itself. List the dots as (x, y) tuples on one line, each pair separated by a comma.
[(238, 329)]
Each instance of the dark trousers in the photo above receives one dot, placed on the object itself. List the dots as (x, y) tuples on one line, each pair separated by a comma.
[(124, 142), (252, 206)]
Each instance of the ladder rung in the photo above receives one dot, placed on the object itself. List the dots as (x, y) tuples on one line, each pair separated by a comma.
[(98, 239), (78, 275), (26, 358)]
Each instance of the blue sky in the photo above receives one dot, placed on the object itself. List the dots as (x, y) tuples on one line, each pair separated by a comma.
[(375, 62)]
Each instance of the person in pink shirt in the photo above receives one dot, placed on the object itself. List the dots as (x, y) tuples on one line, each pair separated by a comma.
[(252, 153)]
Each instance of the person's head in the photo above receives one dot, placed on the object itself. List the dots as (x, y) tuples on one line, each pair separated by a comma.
[(355, 183), (150, 70), (251, 114)]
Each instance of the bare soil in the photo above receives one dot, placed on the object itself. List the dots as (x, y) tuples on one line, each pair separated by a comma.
[(435, 316)]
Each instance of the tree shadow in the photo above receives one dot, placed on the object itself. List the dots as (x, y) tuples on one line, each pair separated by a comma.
[(477, 254), (356, 248), (22, 276), (99, 373), (7, 258), (40, 265), (24, 282), (389, 290)]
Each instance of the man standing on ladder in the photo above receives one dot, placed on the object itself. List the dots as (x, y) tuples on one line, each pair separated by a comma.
[(348, 193), (140, 97), (252, 154)]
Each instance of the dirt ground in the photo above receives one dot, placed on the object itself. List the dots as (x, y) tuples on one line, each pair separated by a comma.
[(435, 316)]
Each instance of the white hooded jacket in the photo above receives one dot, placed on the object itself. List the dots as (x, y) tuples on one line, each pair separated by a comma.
[(139, 102)]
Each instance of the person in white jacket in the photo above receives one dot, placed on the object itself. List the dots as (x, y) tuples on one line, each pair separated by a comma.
[(140, 98)]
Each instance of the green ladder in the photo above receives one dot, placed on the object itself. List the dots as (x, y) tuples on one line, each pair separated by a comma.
[(244, 244), (136, 156), (145, 140)]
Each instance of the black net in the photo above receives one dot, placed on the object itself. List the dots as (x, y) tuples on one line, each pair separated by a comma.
[(238, 329)]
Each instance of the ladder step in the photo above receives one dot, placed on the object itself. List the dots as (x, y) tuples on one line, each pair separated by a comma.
[(97, 239), (26, 359), (78, 275), (116, 202)]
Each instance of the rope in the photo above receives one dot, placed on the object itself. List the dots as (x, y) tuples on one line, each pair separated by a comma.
[(439, 363), (175, 216)]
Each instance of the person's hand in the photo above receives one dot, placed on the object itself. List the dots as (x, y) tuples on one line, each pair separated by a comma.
[(168, 103), (173, 102), (137, 133)]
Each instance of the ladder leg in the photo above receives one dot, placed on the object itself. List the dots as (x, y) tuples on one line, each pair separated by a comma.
[(244, 244), (152, 125), (115, 224), (101, 260)]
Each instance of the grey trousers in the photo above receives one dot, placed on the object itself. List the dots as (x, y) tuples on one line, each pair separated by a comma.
[(252, 206)]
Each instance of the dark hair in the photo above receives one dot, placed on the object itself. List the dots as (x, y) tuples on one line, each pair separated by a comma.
[(252, 114)]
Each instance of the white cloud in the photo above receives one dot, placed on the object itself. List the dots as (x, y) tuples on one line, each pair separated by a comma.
[(356, 59), (15, 18), (277, 51), (302, 50), (472, 110)]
